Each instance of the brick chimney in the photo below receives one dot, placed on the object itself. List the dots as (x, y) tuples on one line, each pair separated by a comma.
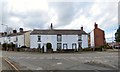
[(51, 26), (96, 25), (82, 28)]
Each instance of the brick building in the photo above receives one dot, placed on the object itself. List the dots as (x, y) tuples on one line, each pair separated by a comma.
[(97, 37)]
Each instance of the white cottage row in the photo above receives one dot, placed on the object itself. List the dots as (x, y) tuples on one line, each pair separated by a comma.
[(19, 39), (59, 38)]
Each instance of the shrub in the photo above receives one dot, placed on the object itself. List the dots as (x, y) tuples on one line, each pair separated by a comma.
[(87, 49), (4, 45), (99, 48)]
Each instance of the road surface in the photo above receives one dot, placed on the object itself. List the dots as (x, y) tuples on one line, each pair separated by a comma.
[(65, 61)]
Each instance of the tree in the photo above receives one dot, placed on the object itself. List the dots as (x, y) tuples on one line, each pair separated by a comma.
[(117, 35)]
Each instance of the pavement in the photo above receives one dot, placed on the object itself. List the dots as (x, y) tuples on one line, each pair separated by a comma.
[(64, 61)]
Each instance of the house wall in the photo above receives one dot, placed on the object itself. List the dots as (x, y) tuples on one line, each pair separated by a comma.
[(27, 39), (1, 40), (69, 40), (84, 41), (20, 41), (66, 39), (99, 37), (92, 39), (44, 39)]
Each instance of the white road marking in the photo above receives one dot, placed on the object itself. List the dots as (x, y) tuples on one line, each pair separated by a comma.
[(59, 63), (39, 68)]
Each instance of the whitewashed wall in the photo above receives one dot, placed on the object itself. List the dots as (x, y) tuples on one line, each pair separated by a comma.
[(44, 39), (1, 40), (20, 41), (84, 41), (68, 39), (92, 39)]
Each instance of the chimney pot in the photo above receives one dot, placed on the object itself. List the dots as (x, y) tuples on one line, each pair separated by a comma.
[(21, 29), (96, 25), (14, 31), (81, 28)]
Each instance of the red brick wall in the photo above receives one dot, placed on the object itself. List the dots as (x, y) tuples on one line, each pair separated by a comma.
[(99, 37)]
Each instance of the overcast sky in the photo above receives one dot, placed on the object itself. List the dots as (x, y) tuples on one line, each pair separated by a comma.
[(38, 14)]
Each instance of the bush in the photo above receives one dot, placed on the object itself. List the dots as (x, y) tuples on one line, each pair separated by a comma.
[(87, 49), (4, 45), (99, 48)]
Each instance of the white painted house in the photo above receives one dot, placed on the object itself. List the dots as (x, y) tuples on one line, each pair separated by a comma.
[(20, 39), (59, 38)]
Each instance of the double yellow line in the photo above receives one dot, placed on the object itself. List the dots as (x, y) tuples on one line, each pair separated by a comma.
[(12, 65)]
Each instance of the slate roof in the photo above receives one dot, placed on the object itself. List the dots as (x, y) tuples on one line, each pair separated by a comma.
[(18, 33), (57, 31), (14, 34)]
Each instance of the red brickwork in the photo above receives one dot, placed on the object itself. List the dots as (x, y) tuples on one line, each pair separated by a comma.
[(99, 36)]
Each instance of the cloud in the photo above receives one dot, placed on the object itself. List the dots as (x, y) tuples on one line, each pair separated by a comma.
[(31, 14)]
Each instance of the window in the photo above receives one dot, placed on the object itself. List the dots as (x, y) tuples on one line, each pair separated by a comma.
[(59, 37), (74, 46), (64, 46), (79, 38), (59, 45), (39, 38), (39, 45), (79, 45)]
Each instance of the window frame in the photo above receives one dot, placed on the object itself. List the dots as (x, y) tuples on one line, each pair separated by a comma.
[(65, 46), (59, 39), (74, 44), (39, 45), (39, 38)]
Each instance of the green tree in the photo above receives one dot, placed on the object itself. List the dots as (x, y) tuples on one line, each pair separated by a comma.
[(117, 35)]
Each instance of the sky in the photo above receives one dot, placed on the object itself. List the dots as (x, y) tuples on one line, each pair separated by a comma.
[(69, 14)]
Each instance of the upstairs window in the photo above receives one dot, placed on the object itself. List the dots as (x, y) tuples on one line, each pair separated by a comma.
[(59, 37), (39, 38), (79, 38)]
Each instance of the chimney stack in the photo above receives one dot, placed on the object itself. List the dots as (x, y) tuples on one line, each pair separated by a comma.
[(14, 31), (5, 33), (51, 26), (21, 29), (82, 28), (96, 25)]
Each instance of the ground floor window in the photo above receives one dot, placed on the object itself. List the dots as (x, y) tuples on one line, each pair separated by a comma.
[(39, 45), (65, 46), (79, 45), (59, 45), (74, 46)]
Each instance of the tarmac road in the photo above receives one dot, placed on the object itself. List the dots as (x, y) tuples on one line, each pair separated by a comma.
[(65, 61)]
